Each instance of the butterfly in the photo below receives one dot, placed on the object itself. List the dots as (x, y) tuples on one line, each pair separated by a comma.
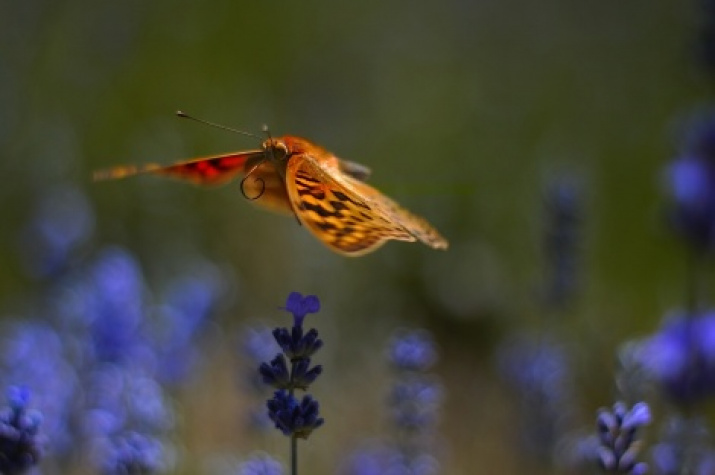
[(292, 175)]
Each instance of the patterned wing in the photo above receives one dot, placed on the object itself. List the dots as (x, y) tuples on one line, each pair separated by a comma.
[(265, 184), (416, 225), (349, 216), (214, 170)]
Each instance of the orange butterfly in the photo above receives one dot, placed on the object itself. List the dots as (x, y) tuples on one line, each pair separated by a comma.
[(327, 195)]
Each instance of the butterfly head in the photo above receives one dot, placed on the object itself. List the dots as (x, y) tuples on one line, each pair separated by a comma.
[(276, 151)]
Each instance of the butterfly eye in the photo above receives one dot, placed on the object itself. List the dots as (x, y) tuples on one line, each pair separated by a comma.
[(280, 151), (276, 151)]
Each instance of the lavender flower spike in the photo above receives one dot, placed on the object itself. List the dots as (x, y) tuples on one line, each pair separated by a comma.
[(295, 417), (618, 435)]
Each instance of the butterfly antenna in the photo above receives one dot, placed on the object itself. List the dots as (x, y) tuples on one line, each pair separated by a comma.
[(268, 134), (213, 124)]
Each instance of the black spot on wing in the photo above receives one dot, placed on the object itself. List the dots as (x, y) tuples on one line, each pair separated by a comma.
[(345, 198), (325, 226), (301, 175), (338, 205), (320, 210), (316, 193)]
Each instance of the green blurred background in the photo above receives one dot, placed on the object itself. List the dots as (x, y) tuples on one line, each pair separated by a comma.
[(463, 109)]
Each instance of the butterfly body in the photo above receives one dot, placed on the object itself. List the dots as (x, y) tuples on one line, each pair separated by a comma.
[(328, 195)]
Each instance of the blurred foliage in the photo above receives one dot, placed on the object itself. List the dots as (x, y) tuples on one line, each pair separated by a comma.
[(464, 110)]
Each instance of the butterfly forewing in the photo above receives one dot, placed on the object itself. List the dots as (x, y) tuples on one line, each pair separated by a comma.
[(349, 216), (416, 225)]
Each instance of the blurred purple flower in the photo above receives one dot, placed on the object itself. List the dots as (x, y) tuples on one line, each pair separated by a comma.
[(414, 403), (118, 398), (369, 460), (63, 220), (684, 447), (618, 432), (187, 306), (690, 182), (21, 444), (378, 458), (412, 351), (680, 357), (32, 355), (260, 464), (537, 369), (115, 307), (130, 453), (562, 220), (257, 345)]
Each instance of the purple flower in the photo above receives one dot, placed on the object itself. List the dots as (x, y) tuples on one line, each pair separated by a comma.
[(187, 305), (21, 444), (380, 459), (301, 306), (276, 372), (537, 369), (412, 351), (118, 398), (33, 356), (295, 344), (115, 307), (63, 220), (690, 183), (618, 432), (680, 357), (685, 447), (260, 464), (415, 402), (294, 418), (130, 453), (303, 375), (258, 344)]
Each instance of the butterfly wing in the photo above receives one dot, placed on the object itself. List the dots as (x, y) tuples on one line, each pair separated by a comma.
[(214, 170), (415, 225), (349, 216), (264, 186), (355, 170)]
